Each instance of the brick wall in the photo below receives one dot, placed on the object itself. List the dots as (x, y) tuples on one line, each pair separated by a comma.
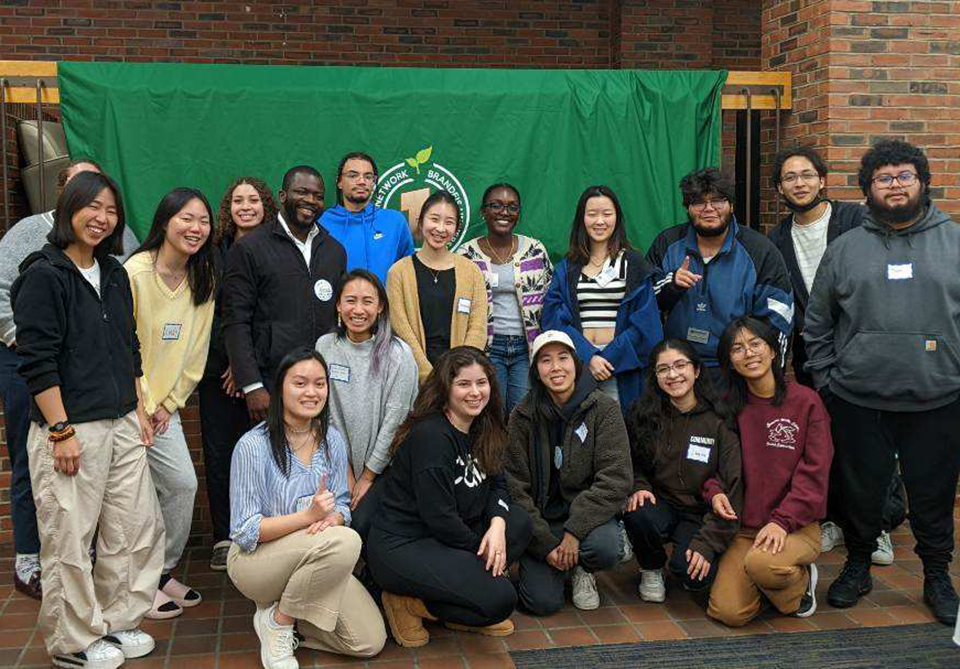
[(654, 34)]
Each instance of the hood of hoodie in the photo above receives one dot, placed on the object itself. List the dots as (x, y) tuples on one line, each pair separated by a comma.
[(340, 215)]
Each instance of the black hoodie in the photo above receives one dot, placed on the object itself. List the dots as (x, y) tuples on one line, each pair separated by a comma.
[(70, 337)]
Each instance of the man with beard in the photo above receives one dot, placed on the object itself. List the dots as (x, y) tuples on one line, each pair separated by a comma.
[(800, 175), (279, 286), (374, 238), (717, 271), (883, 334)]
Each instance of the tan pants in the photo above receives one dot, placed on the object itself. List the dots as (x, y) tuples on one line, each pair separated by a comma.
[(311, 575), (746, 572), (113, 489)]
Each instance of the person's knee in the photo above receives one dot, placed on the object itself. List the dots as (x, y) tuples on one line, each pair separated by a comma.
[(499, 601), (728, 615), (372, 643), (762, 570), (541, 603), (340, 546), (600, 549)]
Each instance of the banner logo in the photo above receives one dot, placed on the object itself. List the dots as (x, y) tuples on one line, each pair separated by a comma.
[(408, 184)]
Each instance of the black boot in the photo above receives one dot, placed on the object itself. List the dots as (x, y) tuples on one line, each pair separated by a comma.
[(939, 595), (853, 583)]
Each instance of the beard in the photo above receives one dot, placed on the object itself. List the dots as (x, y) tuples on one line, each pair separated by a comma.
[(353, 199), (290, 215), (721, 229), (883, 213)]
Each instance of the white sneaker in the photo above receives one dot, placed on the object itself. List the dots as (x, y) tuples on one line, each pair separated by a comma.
[(626, 548), (277, 642), (831, 536), (652, 587), (132, 643), (98, 655), (585, 595), (884, 553)]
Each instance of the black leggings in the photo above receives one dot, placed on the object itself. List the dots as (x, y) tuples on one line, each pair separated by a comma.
[(451, 582)]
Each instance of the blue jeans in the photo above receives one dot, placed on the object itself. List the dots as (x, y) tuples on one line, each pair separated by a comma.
[(16, 416), (511, 358)]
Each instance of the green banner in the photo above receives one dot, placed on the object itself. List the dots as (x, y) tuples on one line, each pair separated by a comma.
[(549, 132)]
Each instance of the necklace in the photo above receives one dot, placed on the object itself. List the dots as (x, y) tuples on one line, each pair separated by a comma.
[(308, 439), (496, 256), (295, 431)]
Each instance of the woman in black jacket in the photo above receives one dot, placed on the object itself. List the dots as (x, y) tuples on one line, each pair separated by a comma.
[(446, 531), (80, 357)]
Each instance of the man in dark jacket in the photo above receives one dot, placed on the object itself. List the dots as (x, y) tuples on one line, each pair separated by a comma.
[(279, 287), (882, 332)]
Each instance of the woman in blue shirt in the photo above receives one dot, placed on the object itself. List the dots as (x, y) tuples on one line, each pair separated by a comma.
[(289, 507)]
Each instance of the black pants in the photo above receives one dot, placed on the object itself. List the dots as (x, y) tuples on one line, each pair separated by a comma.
[(223, 420), (541, 586), (866, 442), (652, 527), (451, 582), (361, 518)]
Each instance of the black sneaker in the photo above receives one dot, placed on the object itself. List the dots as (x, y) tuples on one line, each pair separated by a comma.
[(939, 595), (853, 583), (808, 603)]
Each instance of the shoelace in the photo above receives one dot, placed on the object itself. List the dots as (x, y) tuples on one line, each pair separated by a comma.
[(285, 643)]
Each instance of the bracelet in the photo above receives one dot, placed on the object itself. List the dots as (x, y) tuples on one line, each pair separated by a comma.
[(59, 427), (64, 435)]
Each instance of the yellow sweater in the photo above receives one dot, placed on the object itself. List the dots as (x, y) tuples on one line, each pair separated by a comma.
[(174, 335), (466, 329)]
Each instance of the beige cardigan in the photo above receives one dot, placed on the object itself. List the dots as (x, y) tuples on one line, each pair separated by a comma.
[(466, 329)]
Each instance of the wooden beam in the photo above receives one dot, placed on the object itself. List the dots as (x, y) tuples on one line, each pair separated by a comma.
[(21, 81)]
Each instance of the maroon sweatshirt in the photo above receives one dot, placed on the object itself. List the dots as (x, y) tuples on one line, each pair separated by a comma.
[(787, 452)]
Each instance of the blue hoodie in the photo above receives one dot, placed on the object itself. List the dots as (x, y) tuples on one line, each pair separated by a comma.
[(374, 238)]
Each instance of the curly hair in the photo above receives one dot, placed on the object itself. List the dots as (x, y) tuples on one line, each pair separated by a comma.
[(892, 152), (807, 152), (226, 228), (701, 183)]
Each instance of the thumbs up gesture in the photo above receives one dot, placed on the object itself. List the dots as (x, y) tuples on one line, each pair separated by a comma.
[(683, 277), (322, 504)]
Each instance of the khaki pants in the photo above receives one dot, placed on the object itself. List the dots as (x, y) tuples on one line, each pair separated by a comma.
[(113, 489), (311, 575), (746, 572)]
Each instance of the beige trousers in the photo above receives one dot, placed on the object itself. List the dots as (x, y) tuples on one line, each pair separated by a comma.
[(311, 575), (745, 572), (113, 489)]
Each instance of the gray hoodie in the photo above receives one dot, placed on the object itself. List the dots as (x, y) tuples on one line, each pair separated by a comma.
[(883, 322)]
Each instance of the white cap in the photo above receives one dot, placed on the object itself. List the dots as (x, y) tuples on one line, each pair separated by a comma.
[(552, 337)]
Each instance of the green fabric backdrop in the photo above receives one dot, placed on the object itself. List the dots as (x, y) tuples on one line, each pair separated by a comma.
[(550, 133)]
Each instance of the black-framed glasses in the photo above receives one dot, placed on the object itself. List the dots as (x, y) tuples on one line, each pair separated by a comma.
[(905, 178), (497, 207), (715, 202)]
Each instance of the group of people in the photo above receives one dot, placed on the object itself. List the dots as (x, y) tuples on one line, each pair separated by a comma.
[(385, 423)]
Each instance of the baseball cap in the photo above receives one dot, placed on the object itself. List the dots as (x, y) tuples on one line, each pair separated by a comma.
[(552, 337)]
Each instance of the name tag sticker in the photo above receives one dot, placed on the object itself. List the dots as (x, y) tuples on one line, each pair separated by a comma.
[(494, 280), (323, 290), (698, 453), (171, 331), (463, 305), (303, 502), (377, 235), (698, 336), (582, 432), (930, 345), (340, 373), (606, 276), (900, 272), (557, 457)]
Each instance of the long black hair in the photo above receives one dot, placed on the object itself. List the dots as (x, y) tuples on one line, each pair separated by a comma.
[(736, 397), (380, 331), (202, 268), (276, 429), (579, 251), (80, 191)]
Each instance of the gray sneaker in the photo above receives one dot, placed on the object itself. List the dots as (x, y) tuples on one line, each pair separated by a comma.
[(884, 553), (831, 536), (218, 560), (584, 586)]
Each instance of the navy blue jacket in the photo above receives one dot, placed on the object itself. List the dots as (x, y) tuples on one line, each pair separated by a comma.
[(747, 277), (637, 330)]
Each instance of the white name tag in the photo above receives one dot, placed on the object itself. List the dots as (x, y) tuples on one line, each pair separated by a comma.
[(557, 457), (340, 373), (698, 336), (463, 305), (900, 272), (699, 453), (171, 331), (303, 502), (606, 276), (494, 280), (582, 432)]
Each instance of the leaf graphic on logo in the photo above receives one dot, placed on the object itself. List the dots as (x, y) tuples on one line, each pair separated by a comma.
[(412, 162), (424, 155)]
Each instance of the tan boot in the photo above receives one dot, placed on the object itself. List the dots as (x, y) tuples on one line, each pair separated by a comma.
[(405, 616), (502, 628)]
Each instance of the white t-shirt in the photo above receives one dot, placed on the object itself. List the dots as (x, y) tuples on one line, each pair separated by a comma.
[(810, 243), (92, 275)]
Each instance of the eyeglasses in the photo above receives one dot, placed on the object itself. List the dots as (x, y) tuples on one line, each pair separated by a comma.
[(356, 176), (793, 177), (679, 367), (497, 207), (715, 203), (905, 178), (755, 347)]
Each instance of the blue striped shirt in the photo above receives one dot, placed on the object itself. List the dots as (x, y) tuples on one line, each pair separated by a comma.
[(258, 489)]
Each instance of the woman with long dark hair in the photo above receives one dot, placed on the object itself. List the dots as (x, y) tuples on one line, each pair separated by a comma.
[(80, 356), (292, 551), (173, 276), (568, 466), (602, 297), (786, 451), (679, 440), (445, 532), (246, 204)]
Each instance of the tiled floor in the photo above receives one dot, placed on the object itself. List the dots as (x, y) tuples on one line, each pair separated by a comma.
[(219, 632)]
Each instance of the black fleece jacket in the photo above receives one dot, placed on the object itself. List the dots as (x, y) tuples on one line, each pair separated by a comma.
[(67, 336)]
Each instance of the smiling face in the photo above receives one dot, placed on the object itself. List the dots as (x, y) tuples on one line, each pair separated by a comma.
[(501, 211), (302, 202), (751, 356), (800, 183), (359, 307), (710, 215), (96, 221), (600, 218), (356, 182), (438, 225), (469, 393), (189, 228), (304, 391), (246, 207), (676, 375), (557, 369)]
